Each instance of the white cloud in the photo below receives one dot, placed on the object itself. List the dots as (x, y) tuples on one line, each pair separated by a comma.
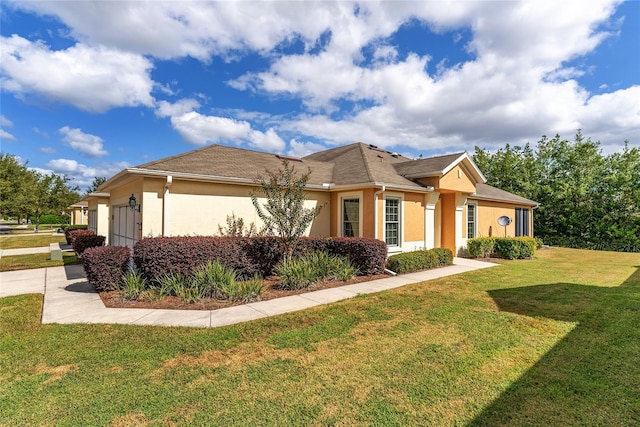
[(47, 150), (4, 122), (82, 175), (301, 149), (201, 129), (85, 143), (6, 135), (92, 78)]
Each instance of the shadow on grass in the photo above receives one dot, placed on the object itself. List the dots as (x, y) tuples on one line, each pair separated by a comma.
[(592, 376)]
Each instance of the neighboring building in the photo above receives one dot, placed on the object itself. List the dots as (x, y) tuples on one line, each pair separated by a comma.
[(78, 213), (364, 191)]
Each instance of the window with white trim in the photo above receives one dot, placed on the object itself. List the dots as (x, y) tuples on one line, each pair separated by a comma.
[(472, 221), (392, 221), (351, 217)]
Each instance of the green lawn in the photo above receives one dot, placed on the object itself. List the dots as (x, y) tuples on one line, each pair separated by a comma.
[(553, 341), (26, 262), (13, 242)]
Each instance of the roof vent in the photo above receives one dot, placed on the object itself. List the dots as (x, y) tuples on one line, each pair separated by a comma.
[(373, 146), (395, 155)]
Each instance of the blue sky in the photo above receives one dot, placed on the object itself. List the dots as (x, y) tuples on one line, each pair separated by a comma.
[(89, 88)]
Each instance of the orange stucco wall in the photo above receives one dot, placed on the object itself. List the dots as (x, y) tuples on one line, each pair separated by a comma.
[(368, 213), (448, 221), (413, 217), (488, 213), (457, 179)]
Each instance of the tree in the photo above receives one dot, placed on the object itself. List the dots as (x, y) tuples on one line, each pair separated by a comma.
[(25, 192), (284, 214), (587, 200), (97, 182)]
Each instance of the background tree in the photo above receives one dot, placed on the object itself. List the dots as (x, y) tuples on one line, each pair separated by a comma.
[(97, 182), (587, 200), (25, 193), (284, 214)]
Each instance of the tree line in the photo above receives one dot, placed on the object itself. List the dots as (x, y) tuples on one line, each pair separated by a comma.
[(26, 193), (587, 199)]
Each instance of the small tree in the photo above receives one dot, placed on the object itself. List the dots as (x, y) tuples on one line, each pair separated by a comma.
[(236, 228), (284, 214)]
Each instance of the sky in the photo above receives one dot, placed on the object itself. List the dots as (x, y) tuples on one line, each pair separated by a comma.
[(91, 88)]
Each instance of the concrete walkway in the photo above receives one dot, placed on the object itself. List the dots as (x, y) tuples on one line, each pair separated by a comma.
[(29, 251), (68, 298)]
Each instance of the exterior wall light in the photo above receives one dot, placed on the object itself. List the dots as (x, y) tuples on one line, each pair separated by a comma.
[(133, 204)]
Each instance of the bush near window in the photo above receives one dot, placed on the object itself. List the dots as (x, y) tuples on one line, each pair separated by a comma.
[(502, 247), (105, 266), (481, 247), (69, 228), (419, 260), (84, 241), (156, 256)]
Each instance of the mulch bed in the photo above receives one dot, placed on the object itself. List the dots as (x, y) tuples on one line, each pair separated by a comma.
[(114, 300)]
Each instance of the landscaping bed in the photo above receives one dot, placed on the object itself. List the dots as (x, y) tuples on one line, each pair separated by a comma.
[(273, 290)]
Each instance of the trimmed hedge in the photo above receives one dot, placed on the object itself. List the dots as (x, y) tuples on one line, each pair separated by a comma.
[(73, 234), (419, 260), (503, 247), (105, 266), (156, 256), (69, 228), (481, 247), (84, 241)]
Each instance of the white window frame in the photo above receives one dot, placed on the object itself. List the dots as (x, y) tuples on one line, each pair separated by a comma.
[(400, 198), (398, 242), (475, 220), (351, 196)]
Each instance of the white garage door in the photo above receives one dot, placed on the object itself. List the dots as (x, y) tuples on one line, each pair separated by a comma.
[(125, 228)]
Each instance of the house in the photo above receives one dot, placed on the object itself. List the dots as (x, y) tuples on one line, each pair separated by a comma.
[(78, 212), (365, 191)]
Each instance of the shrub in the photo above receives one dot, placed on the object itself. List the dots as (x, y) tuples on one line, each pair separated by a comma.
[(246, 290), (213, 279), (515, 247), (481, 247), (73, 234), (419, 260), (52, 219), (83, 241), (69, 228), (170, 284), (132, 285), (105, 266), (539, 242), (247, 256), (156, 256), (368, 256), (303, 271)]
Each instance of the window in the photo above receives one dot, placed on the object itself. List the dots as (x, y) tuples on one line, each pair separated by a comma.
[(392, 222), (351, 217), (471, 221), (522, 222)]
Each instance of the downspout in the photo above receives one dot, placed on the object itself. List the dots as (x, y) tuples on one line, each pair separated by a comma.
[(375, 209), (165, 206)]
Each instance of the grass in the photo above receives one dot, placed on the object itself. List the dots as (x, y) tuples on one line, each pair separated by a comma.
[(13, 242), (552, 341), (26, 262)]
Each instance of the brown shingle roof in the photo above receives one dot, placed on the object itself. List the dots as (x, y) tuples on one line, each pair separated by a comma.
[(364, 164), (422, 168), (232, 162), (486, 191)]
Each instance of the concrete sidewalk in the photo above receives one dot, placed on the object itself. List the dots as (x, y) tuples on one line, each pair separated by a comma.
[(68, 298), (29, 251)]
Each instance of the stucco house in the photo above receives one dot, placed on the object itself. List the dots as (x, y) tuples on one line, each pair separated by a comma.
[(365, 191), (78, 213)]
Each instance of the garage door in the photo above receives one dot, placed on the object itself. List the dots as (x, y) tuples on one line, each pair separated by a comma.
[(125, 229)]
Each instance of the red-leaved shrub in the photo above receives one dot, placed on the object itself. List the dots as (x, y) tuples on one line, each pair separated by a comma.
[(105, 265), (82, 242), (73, 234), (156, 256)]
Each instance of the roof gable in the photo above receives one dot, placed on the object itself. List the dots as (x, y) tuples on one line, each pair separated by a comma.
[(439, 166)]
